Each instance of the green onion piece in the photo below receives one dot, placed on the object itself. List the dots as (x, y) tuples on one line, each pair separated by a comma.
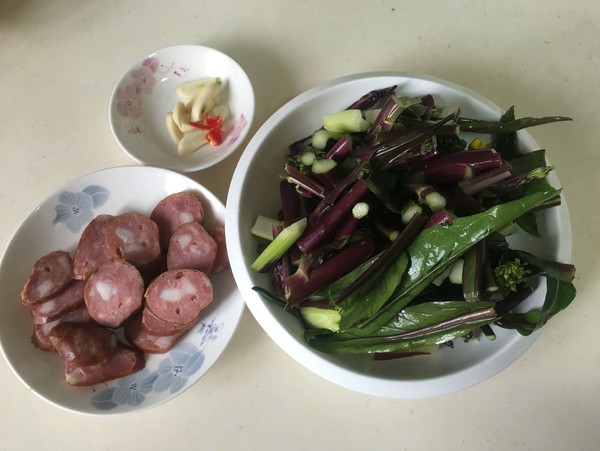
[(347, 121), (280, 245)]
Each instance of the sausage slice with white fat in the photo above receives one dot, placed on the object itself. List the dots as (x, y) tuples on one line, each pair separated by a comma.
[(50, 275), (191, 246), (178, 296), (175, 210), (134, 238), (69, 299), (114, 292)]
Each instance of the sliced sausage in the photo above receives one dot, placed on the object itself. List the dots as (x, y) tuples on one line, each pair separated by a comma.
[(92, 354), (158, 327), (83, 343), (134, 238), (91, 250), (41, 332), (175, 210), (178, 296), (114, 292), (49, 275), (123, 362), (153, 344), (222, 259), (69, 299), (191, 247)]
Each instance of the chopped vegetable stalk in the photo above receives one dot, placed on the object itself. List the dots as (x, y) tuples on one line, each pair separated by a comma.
[(347, 121), (330, 270), (263, 227), (321, 138), (360, 210), (280, 245), (318, 233), (323, 165), (321, 318)]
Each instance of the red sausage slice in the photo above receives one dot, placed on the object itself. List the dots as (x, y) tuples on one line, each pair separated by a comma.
[(41, 332), (191, 247), (134, 238), (175, 210), (158, 327), (91, 250), (71, 298), (222, 259), (178, 296), (92, 354), (114, 292), (153, 344), (49, 275)]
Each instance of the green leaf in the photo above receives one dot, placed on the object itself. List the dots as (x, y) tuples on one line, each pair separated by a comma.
[(528, 222), (368, 299)]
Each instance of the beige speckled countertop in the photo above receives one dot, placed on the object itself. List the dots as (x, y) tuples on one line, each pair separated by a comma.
[(60, 62)]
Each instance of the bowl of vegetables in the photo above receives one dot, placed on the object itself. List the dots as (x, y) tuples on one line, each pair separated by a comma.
[(399, 235), (184, 107)]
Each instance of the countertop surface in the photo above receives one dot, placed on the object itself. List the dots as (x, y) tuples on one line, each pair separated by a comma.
[(60, 62)]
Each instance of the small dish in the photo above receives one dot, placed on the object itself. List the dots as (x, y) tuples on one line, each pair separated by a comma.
[(145, 94), (165, 376), (254, 190)]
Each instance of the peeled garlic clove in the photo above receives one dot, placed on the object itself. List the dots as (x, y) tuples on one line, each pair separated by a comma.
[(191, 141), (220, 110), (186, 127), (200, 105), (180, 114), (188, 90), (173, 129)]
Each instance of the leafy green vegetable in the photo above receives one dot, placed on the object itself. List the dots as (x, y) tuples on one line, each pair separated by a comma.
[(560, 291), (437, 247)]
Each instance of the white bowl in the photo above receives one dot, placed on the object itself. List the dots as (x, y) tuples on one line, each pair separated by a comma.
[(146, 93), (254, 190), (110, 191)]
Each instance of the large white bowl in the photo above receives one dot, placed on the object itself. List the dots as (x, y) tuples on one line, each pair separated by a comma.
[(110, 191), (146, 93), (254, 190)]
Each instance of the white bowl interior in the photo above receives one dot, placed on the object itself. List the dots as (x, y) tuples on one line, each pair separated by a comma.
[(145, 138), (254, 190), (130, 189)]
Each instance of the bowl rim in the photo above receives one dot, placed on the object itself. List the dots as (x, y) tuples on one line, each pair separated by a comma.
[(312, 359), (249, 115)]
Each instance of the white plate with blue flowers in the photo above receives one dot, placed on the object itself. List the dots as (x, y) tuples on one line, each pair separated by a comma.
[(57, 223)]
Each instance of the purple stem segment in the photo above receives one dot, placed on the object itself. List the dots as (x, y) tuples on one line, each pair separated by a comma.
[(318, 233), (329, 271)]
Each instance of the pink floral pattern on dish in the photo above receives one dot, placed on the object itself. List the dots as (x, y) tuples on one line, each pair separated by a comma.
[(238, 127), (129, 102), (130, 96)]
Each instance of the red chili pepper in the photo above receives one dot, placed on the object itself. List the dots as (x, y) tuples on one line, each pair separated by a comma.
[(213, 125), (215, 136)]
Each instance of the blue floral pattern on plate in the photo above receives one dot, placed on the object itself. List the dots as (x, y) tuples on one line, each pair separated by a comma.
[(74, 209), (172, 374)]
